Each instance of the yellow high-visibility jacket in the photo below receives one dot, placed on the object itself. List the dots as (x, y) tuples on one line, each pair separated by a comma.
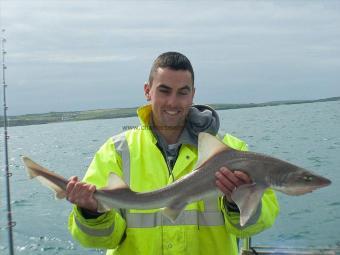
[(205, 227)]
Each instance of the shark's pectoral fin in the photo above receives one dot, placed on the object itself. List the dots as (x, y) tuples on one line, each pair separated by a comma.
[(174, 210), (247, 198)]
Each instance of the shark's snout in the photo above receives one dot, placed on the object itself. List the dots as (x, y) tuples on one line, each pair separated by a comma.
[(323, 182)]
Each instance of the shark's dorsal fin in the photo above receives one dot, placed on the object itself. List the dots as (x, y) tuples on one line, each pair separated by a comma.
[(208, 146), (115, 182)]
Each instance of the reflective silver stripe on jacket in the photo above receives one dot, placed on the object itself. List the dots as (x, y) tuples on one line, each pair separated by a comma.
[(94, 232), (122, 149), (211, 204), (149, 220), (212, 216)]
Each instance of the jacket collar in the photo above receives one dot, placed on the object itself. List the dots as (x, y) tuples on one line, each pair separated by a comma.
[(144, 114)]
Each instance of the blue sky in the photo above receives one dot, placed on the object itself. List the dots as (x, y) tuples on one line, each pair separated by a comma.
[(79, 55)]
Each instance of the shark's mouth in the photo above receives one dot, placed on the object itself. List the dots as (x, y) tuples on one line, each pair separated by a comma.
[(300, 190)]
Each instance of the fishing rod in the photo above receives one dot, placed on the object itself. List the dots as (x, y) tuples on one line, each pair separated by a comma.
[(10, 223)]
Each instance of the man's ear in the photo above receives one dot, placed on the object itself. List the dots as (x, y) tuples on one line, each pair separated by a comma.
[(147, 88)]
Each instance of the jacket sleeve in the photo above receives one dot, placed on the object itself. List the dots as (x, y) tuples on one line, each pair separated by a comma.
[(108, 229), (266, 213)]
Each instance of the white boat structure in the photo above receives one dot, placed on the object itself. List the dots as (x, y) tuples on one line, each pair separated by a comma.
[(248, 249)]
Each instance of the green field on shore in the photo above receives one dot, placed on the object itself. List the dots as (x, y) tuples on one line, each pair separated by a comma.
[(45, 118)]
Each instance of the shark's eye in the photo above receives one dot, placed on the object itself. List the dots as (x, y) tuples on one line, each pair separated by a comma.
[(308, 178)]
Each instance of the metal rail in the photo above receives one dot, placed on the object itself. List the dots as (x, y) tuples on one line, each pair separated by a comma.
[(268, 250)]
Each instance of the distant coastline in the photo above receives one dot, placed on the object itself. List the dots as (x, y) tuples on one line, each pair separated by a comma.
[(53, 117)]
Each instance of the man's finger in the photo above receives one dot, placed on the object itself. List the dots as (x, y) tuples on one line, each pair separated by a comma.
[(243, 176), (223, 188), (227, 184), (70, 185), (230, 176), (73, 179), (75, 193), (92, 188)]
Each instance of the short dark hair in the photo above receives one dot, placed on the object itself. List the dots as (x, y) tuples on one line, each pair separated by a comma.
[(172, 60)]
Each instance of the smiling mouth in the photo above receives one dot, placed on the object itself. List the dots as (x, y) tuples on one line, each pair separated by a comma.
[(172, 113)]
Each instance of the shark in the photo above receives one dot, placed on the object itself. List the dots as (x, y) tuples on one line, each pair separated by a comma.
[(265, 172)]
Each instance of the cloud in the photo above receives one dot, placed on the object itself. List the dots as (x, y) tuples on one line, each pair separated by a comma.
[(68, 58), (254, 49)]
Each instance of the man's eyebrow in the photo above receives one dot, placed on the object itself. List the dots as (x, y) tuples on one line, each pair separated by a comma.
[(186, 87), (163, 86)]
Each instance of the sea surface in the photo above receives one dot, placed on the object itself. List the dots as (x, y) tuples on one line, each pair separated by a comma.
[(305, 134)]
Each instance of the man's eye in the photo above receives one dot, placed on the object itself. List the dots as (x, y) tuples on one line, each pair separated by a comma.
[(184, 93), (164, 91)]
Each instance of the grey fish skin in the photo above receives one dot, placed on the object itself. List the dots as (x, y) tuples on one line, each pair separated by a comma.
[(272, 172), (265, 171)]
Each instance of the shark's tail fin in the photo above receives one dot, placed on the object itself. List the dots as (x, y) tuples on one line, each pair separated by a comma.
[(29, 167), (49, 179)]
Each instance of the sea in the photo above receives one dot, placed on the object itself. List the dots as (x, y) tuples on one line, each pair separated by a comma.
[(305, 134)]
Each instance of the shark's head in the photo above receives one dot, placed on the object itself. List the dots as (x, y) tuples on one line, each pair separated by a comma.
[(301, 181)]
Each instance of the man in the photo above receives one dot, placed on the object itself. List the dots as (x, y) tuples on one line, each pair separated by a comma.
[(160, 151)]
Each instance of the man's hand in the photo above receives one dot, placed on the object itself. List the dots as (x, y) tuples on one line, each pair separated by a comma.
[(227, 181), (81, 194)]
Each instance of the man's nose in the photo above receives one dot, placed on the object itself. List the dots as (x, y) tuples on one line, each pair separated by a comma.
[(172, 100)]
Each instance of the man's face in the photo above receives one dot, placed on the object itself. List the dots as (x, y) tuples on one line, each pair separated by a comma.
[(170, 94)]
